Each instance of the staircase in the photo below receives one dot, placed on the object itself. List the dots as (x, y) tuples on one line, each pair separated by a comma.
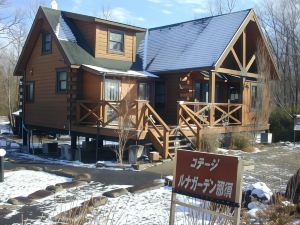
[(175, 141)]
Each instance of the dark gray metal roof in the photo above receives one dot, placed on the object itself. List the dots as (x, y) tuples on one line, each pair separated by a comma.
[(183, 46), (189, 45)]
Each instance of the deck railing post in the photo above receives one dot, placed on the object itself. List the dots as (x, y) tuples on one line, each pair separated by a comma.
[(212, 92), (140, 114), (211, 114), (104, 112), (179, 113), (166, 144)]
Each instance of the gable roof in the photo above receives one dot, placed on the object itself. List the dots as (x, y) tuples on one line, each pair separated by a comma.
[(196, 44), (70, 41), (190, 45)]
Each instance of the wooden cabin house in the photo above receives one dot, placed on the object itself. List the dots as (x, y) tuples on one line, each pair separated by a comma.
[(83, 75)]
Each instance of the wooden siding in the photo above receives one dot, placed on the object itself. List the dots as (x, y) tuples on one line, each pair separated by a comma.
[(101, 48), (88, 30), (129, 89), (49, 109), (91, 86)]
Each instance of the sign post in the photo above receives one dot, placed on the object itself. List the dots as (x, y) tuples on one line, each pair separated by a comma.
[(209, 177), (2, 154)]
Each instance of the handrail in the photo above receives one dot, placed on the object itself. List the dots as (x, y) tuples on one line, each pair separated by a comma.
[(160, 120)]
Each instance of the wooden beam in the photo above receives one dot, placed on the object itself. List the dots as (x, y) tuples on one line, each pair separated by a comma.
[(250, 62), (236, 72), (212, 92), (244, 49), (237, 58)]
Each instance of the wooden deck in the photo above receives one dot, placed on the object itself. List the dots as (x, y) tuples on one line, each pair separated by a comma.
[(195, 119)]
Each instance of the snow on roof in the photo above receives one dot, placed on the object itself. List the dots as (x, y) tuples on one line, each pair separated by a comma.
[(129, 73)]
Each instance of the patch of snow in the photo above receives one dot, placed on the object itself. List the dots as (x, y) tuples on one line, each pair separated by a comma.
[(256, 205), (261, 190), (253, 212), (25, 182)]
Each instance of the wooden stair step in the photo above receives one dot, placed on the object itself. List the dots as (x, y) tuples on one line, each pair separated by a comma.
[(179, 146)]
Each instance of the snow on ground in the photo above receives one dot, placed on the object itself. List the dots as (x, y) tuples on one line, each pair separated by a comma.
[(148, 208), (25, 182)]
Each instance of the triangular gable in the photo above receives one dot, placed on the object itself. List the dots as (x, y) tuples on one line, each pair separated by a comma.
[(237, 52), (31, 40)]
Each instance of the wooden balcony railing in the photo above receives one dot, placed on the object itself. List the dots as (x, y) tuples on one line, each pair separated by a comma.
[(139, 114), (197, 115), (109, 113)]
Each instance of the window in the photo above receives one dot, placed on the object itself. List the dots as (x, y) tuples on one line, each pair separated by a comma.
[(112, 90), (144, 91), (254, 97), (29, 92), (47, 43), (116, 41), (201, 91), (61, 81)]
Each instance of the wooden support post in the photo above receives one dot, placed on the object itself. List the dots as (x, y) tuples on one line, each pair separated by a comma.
[(242, 99), (212, 93), (25, 137), (140, 107), (179, 113), (73, 141), (244, 50), (166, 144)]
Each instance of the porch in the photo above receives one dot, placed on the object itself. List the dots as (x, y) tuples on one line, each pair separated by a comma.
[(141, 121)]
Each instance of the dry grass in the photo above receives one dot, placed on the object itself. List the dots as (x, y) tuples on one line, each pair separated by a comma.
[(277, 213), (210, 143), (241, 142)]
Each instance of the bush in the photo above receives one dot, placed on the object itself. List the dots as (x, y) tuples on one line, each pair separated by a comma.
[(241, 142), (210, 143), (282, 126)]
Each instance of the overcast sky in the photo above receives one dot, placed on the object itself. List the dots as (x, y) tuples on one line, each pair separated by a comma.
[(144, 13)]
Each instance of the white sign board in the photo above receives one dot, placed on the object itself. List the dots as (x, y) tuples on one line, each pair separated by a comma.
[(297, 123), (2, 152)]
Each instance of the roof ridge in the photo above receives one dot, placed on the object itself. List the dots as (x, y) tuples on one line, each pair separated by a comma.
[(199, 19), (91, 17)]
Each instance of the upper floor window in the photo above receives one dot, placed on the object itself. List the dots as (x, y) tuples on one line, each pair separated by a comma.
[(46, 43), (29, 91), (61, 81), (116, 41)]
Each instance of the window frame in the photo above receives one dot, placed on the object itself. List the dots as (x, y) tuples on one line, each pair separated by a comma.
[(27, 97), (122, 52), (119, 82), (44, 34), (58, 85), (148, 86)]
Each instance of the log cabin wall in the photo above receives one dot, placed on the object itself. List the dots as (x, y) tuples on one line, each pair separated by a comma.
[(91, 86), (101, 44), (49, 109)]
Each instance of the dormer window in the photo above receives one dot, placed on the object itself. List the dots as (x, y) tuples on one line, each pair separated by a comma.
[(47, 43), (116, 41)]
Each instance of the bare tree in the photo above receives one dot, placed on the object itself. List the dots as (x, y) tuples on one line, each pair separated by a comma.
[(106, 13), (281, 23), (33, 6), (218, 7)]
